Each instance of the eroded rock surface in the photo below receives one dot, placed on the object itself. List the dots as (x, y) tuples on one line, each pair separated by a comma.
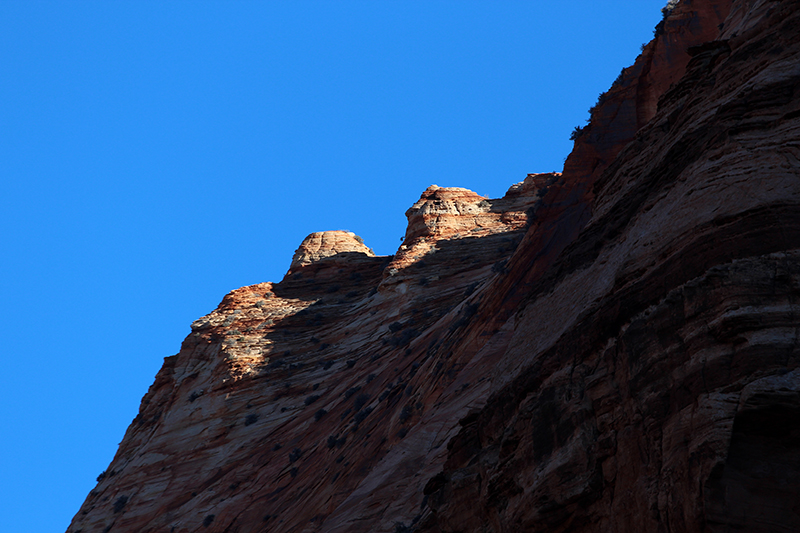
[(641, 340), (301, 405), (445, 224), (614, 348), (327, 244)]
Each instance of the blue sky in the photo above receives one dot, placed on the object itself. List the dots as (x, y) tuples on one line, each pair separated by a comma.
[(156, 155)]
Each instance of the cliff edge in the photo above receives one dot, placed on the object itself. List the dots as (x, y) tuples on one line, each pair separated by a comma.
[(611, 348)]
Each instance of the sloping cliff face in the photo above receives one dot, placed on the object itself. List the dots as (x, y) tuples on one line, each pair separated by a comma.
[(308, 405), (613, 348), (655, 351)]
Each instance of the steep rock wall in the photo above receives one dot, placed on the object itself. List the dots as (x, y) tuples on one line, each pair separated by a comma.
[(320, 403), (603, 349), (663, 395)]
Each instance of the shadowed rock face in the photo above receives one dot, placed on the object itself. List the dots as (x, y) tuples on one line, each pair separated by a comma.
[(303, 404), (655, 353), (614, 348)]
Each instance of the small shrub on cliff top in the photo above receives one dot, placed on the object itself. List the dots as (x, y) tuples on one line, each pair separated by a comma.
[(349, 392), (403, 339), (311, 399), (467, 313), (471, 288), (119, 504), (252, 418), (319, 414), (577, 132), (600, 100), (361, 401), (619, 77), (335, 442), (361, 415), (295, 454)]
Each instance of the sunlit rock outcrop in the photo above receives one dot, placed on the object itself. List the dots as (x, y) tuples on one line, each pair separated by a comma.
[(611, 348)]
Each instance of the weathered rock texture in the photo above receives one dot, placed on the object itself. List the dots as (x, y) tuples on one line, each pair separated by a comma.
[(656, 295), (305, 404), (614, 348), (329, 245)]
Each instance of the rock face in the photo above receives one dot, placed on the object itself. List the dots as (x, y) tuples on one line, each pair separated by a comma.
[(449, 219), (302, 405), (614, 348), (659, 295), (326, 245)]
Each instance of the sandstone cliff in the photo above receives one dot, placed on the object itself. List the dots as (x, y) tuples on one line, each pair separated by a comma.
[(614, 348)]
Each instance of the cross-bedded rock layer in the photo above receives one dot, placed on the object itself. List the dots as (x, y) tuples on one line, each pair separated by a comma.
[(614, 348), (653, 371), (295, 404), (329, 245)]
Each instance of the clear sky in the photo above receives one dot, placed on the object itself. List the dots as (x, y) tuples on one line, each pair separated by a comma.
[(156, 155)]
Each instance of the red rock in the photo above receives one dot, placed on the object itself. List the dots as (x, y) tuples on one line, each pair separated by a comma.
[(630, 364), (298, 404), (327, 244), (657, 299), (452, 213)]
